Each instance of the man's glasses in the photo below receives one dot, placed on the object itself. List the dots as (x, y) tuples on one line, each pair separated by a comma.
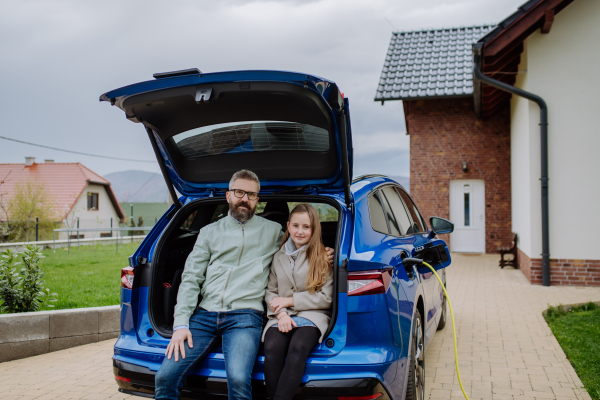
[(239, 193)]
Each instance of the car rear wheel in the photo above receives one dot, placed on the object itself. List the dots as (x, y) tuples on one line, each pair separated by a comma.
[(415, 388)]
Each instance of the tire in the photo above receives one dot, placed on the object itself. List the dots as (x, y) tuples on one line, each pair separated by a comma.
[(415, 387), (442, 323)]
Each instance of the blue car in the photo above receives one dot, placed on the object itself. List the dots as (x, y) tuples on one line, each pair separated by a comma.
[(293, 130)]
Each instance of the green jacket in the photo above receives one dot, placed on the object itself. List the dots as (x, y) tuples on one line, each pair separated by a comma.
[(229, 266)]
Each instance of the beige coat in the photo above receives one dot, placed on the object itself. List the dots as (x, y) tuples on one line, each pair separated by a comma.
[(316, 307)]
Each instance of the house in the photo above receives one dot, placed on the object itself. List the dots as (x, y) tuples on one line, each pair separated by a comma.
[(75, 193), (475, 150)]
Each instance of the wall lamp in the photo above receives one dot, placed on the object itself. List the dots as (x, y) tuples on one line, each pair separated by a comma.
[(464, 166)]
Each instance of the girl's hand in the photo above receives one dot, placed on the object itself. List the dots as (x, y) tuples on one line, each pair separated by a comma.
[(281, 302), (285, 323), (330, 252)]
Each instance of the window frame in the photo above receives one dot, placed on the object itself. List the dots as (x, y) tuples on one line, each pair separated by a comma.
[(405, 210), (388, 207), (375, 194), (400, 189), (90, 197)]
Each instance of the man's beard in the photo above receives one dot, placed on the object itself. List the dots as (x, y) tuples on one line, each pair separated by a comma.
[(240, 214)]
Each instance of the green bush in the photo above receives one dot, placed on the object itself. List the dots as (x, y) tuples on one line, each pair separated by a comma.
[(23, 291)]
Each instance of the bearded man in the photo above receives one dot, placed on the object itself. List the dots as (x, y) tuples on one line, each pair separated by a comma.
[(229, 267)]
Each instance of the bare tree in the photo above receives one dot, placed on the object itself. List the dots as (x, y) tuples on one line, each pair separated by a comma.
[(4, 225), (29, 201)]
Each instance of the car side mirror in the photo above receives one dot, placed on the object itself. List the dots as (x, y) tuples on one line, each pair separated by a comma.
[(441, 225)]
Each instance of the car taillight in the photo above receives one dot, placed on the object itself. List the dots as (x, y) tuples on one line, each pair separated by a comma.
[(369, 282), (122, 378), (127, 278), (369, 397)]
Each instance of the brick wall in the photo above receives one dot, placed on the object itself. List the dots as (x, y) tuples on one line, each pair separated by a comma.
[(444, 133), (525, 264), (562, 271)]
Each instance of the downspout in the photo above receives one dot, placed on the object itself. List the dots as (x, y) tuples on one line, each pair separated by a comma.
[(477, 59)]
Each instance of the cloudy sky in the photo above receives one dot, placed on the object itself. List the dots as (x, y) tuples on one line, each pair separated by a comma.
[(59, 56)]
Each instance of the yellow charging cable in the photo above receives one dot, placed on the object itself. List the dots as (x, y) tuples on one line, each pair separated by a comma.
[(453, 327)]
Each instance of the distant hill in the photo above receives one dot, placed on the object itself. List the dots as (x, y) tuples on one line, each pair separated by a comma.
[(138, 186), (148, 187)]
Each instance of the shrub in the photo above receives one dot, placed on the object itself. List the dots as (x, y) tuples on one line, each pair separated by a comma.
[(23, 291)]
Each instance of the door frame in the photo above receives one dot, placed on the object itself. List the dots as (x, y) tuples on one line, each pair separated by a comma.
[(458, 220)]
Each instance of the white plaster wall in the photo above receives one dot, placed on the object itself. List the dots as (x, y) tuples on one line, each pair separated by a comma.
[(92, 219), (520, 162), (562, 69)]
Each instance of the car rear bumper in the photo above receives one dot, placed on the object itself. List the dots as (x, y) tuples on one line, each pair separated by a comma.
[(139, 380)]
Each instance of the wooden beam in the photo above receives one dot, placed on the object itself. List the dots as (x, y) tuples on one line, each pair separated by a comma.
[(503, 59), (523, 26), (548, 20), (490, 109)]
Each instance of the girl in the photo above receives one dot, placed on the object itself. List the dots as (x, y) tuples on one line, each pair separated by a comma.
[(299, 298)]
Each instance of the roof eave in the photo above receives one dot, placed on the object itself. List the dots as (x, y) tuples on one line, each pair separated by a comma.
[(456, 96), (506, 38)]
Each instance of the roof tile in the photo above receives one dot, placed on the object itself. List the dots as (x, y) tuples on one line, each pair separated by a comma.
[(431, 63)]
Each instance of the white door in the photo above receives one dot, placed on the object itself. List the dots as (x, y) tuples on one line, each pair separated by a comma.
[(467, 212)]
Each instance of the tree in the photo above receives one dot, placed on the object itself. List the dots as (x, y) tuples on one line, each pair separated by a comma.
[(29, 201), (4, 225)]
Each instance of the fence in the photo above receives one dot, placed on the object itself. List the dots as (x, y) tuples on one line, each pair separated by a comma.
[(77, 230)]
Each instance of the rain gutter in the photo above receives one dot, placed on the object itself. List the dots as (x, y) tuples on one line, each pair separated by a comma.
[(477, 61)]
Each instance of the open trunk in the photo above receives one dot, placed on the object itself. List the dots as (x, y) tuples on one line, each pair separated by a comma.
[(178, 239)]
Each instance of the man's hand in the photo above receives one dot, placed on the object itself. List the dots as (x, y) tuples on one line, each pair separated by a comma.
[(177, 343), (281, 302), (330, 253), (285, 322)]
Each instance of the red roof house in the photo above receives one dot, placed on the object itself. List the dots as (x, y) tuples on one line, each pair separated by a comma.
[(76, 192)]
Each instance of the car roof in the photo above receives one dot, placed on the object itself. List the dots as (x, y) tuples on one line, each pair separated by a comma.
[(364, 184)]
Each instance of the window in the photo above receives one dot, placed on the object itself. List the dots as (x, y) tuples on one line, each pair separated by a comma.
[(400, 218), (376, 213), (419, 224), (92, 201), (467, 208), (251, 136)]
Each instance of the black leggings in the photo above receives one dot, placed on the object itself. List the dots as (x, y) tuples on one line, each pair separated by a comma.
[(282, 376)]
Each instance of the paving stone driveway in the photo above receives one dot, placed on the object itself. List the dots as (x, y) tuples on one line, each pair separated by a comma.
[(506, 350)]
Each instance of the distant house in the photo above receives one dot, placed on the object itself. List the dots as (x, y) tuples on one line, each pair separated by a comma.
[(475, 152), (76, 193)]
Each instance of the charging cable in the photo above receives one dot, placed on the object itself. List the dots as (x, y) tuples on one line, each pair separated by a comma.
[(414, 261)]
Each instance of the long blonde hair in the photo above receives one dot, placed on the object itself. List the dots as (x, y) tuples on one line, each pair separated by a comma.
[(315, 250)]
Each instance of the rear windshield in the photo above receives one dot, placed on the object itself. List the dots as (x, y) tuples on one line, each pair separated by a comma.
[(251, 136)]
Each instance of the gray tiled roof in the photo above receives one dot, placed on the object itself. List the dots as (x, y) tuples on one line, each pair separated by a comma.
[(430, 63)]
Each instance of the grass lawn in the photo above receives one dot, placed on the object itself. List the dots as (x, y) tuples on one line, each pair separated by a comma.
[(578, 333), (88, 277)]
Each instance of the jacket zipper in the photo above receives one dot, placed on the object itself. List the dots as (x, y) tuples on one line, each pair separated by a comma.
[(231, 270), (243, 243)]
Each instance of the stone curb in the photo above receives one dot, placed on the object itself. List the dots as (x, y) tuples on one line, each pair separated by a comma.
[(567, 307), (29, 334)]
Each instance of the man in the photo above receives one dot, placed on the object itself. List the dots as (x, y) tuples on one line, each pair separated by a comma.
[(229, 266)]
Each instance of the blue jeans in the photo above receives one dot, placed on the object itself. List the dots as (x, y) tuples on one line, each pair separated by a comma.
[(240, 330)]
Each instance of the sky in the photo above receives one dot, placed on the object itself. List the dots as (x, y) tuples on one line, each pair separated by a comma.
[(59, 56)]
